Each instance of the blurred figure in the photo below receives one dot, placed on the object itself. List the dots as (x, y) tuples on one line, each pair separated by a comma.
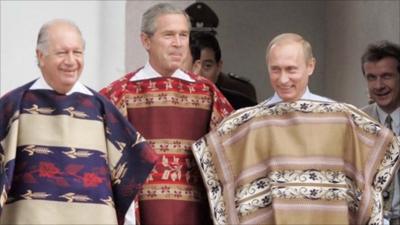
[(381, 68), (67, 155), (206, 56), (207, 62), (172, 109)]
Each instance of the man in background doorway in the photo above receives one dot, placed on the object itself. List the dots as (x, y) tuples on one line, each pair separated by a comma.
[(207, 61), (381, 68)]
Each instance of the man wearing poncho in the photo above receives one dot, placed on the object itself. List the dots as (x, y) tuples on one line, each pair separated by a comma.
[(297, 158), (67, 155)]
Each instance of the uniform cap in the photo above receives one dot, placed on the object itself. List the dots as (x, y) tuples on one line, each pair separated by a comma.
[(202, 17)]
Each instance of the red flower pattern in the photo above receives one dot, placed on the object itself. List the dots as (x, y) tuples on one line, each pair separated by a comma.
[(91, 180), (47, 169)]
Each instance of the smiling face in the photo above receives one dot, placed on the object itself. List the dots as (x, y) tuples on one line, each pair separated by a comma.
[(289, 70), (383, 82), (169, 44), (62, 62)]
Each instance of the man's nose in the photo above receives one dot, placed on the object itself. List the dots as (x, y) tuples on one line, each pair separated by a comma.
[(177, 40), (379, 83), (283, 78), (69, 58)]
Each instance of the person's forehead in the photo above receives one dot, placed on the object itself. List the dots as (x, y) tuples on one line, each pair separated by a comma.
[(168, 20), (207, 52), (292, 51), (63, 31), (384, 63), (287, 46)]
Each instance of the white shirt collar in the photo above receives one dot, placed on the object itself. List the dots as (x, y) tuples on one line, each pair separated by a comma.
[(148, 72), (395, 118), (306, 96), (78, 87)]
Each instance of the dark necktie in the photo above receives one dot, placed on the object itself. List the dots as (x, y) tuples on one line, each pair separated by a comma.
[(388, 122), (388, 193)]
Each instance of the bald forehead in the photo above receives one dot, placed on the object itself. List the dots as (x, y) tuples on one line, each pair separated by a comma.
[(287, 42), (287, 48), (284, 39), (56, 27), (291, 39), (62, 25)]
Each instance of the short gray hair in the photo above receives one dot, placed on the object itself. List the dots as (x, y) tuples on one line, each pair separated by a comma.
[(42, 43), (148, 25)]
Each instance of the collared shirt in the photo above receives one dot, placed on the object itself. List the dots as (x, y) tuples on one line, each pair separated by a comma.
[(148, 72), (78, 87), (395, 212), (306, 96), (395, 119)]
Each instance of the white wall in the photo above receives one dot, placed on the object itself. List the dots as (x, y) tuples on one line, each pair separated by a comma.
[(101, 23)]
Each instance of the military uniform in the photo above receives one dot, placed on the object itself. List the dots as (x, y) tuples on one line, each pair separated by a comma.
[(202, 17), (239, 91)]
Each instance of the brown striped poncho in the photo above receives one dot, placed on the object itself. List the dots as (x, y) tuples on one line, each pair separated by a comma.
[(304, 162)]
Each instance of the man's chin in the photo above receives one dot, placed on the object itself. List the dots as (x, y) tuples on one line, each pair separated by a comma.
[(382, 100), (386, 105), (287, 97), (70, 81), (174, 66)]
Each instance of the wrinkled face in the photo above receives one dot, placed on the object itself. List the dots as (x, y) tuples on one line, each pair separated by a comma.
[(62, 63), (168, 46), (383, 83), (207, 66), (288, 70)]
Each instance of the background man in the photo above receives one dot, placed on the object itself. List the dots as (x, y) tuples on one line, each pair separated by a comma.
[(171, 109), (207, 62), (206, 57), (290, 159), (381, 69), (68, 156)]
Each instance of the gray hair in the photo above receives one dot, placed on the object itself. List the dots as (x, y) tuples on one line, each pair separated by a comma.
[(148, 25), (42, 43), (292, 37)]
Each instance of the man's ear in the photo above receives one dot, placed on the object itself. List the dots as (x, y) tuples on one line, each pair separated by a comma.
[(311, 66), (196, 67), (39, 57), (145, 40), (220, 64)]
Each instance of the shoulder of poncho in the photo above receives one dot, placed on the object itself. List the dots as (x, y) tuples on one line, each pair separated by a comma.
[(99, 97), (115, 90), (200, 79), (9, 105), (121, 81), (246, 115), (19, 89), (14, 96)]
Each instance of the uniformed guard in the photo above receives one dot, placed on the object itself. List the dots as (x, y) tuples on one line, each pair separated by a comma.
[(202, 17), (206, 56)]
